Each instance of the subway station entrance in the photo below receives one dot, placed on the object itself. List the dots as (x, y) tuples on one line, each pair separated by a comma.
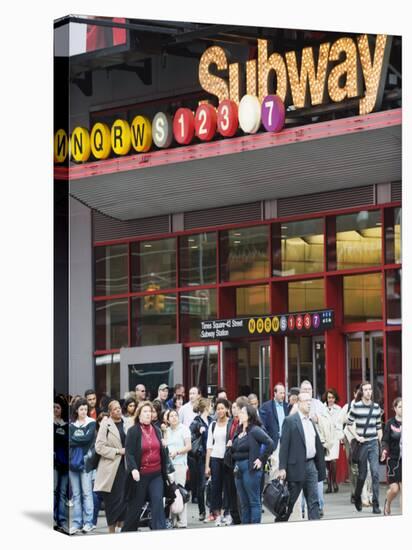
[(246, 366)]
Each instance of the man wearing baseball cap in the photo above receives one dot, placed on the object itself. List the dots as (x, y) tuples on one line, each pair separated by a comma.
[(162, 395)]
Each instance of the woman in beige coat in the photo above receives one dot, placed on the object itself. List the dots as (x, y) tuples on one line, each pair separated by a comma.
[(111, 472)]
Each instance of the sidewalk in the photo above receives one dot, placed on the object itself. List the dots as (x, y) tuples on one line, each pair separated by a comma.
[(337, 506)]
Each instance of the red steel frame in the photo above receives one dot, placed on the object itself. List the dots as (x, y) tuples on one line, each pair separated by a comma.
[(278, 296)]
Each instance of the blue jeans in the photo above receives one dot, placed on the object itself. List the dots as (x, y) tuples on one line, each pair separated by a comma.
[(369, 452), (81, 484), (61, 480), (248, 488)]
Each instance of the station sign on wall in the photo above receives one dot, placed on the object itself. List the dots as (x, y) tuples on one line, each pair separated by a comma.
[(306, 322)]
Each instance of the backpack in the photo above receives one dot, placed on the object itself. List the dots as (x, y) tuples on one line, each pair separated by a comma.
[(276, 498)]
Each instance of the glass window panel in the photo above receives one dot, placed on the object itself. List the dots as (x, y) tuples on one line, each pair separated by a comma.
[(107, 375), (306, 295), (248, 368), (300, 247), (354, 364), (293, 363), (359, 239), (393, 297), (398, 234), (154, 320), (244, 253), (153, 265), (252, 300), (111, 324), (394, 366), (111, 269), (203, 368), (151, 375), (195, 307), (198, 259), (362, 298), (306, 360)]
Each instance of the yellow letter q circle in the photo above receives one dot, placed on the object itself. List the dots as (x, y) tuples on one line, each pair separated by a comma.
[(100, 140)]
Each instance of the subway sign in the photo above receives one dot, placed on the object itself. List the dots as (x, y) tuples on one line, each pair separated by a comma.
[(345, 69), (306, 322)]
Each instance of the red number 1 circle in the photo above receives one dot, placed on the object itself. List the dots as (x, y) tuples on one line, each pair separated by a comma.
[(205, 122), (183, 126)]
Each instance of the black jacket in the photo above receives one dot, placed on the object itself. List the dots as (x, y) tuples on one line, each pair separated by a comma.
[(260, 445), (195, 426), (270, 420), (133, 455), (292, 454)]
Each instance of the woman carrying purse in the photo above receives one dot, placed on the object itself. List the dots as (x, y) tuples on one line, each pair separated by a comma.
[(178, 440), (111, 472)]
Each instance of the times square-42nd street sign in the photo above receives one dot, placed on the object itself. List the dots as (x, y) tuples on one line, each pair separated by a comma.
[(268, 325)]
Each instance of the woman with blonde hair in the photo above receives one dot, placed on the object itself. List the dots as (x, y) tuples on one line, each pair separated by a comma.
[(111, 473), (178, 440)]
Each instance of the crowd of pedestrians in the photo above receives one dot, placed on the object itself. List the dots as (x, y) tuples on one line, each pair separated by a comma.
[(142, 460)]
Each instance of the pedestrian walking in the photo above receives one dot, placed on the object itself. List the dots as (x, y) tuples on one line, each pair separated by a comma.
[(146, 461), (214, 464), (60, 462), (82, 433), (186, 416), (232, 427), (111, 473), (272, 416), (199, 432), (251, 449), (178, 440), (301, 458), (364, 419), (334, 411), (392, 453)]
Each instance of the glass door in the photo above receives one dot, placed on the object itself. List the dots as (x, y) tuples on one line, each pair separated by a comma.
[(364, 359), (264, 372), (305, 360), (376, 366), (202, 368), (318, 351)]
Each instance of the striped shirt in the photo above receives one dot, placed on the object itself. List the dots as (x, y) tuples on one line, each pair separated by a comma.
[(359, 413)]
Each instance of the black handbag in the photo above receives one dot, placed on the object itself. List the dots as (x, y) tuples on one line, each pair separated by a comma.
[(276, 498), (196, 446), (228, 458), (355, 447), (92, 460), (184, 492)]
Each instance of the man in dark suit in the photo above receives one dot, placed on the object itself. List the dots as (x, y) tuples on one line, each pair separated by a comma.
[(301, 457), (272, 415)]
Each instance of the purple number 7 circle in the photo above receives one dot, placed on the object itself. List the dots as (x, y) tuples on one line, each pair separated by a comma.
[(273, 113)]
